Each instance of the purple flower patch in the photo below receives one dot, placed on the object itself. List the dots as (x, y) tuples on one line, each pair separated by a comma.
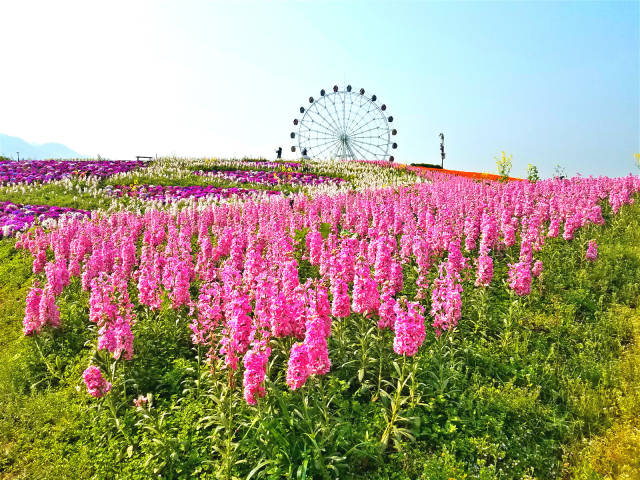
[(15, 217), (30, 171)]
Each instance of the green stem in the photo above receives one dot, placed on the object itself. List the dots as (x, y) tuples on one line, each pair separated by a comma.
[(229, 427), (414, 383), (50, 369), (395, 406), (483, 304), (198, 372), (380, 354), (114, 414), (363, 346)]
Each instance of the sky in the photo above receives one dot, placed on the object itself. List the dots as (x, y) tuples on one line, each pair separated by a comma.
[(551, 83)]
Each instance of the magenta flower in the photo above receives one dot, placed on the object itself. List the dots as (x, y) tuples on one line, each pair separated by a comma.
[(316, 343), (31, 323), (314, 246), (592, 251), (386, 313), (298, 367), (252, 277), (341, 306), (554, 228), (15, 217), (255, 365), (485, 270), (171, 193), (536, 271), (112, 310), (140, 401), (366, 298), (49, 312), (520, 278), (96, 384), (30, 171), (237, 330), (209, 313), (409, 329), (446, 302)]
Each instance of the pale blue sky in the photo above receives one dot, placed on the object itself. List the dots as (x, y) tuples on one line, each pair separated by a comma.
[(550, 83)]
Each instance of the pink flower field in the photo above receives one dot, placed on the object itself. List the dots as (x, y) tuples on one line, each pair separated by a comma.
[(342, 315)]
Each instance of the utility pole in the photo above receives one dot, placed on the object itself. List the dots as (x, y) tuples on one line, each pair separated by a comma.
[(18, 155), (442, 154)]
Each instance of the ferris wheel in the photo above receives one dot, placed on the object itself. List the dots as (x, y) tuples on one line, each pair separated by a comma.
[(345, 125)]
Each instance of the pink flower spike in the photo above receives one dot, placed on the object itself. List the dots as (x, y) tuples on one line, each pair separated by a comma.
[(31, 323), (536, 271), (520, 278), (592, 251), (298, 366), (96, 384), (485, 270), (255, 366), (409, 329)]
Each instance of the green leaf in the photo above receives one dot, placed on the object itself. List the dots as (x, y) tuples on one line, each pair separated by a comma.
[(258, 467), (325, 230), (302, 470)]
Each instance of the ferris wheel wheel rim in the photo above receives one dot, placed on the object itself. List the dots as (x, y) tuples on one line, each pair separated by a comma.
[(384, 124)]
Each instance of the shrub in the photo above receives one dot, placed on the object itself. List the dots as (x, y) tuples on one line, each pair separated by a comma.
[(503, 163), (532, 173)]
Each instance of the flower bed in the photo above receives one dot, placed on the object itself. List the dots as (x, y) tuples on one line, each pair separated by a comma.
[(461, 173), (30, 171), (426, 227), (15, 217), (275, 165), (422, 171), (272, 178), (169, 193), (357, 309)]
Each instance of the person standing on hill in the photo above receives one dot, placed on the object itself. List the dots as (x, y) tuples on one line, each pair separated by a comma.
[(279, 153)]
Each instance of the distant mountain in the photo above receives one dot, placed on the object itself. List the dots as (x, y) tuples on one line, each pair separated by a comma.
[(10, 145)]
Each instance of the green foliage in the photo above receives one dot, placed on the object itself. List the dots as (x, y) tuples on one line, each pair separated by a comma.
[(532, 173)]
